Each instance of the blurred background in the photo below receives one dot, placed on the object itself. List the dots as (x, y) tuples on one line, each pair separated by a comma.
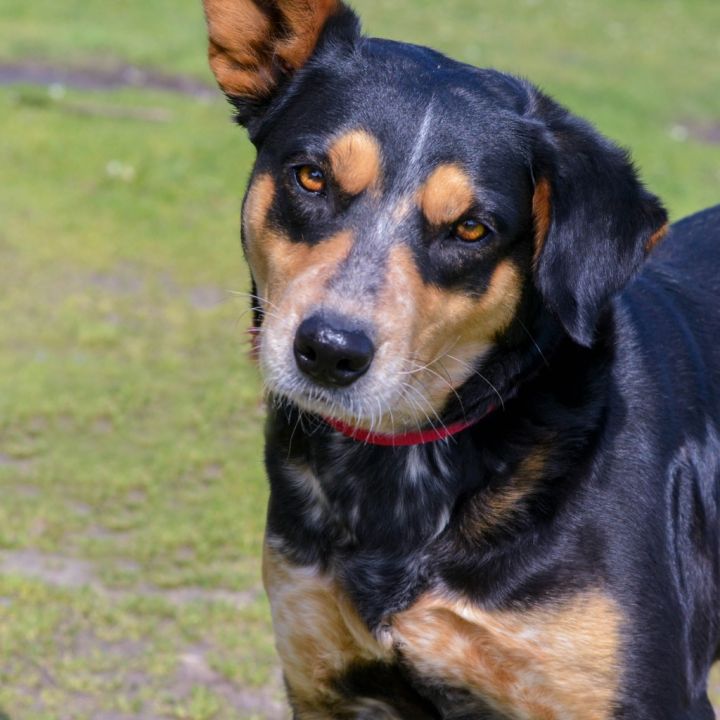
[(132, 493)]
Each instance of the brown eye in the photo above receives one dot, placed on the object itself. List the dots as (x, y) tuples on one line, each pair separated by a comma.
[(470, 230), (310, 178)]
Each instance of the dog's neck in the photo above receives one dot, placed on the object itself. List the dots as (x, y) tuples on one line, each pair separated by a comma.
[(373, 513)]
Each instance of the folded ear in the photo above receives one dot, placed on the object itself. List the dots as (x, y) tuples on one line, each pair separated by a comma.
[(594, 220), (256, 45)]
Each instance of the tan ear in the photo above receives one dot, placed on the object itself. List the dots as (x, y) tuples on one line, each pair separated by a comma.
[(254, 43)]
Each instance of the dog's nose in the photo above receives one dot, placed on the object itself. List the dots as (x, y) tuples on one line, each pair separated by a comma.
[(330, 353)]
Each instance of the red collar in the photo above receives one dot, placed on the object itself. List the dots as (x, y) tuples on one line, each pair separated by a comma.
[(414, 437)]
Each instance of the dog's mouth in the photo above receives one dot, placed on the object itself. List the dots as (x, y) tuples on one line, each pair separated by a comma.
[(334, 408), (371, 402), (377, 387)]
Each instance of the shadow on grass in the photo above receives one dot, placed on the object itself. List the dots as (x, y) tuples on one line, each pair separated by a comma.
[(4, 715)]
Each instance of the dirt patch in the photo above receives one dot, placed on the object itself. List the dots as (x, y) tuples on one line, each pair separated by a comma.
[(25, 490), (187, 595), (116, 667), (22, 465), (206, 297), (194, 669), (126, 279), (68, 572), (108, 78), (707, 132), (54, 570), (86, 644), (110, 715)]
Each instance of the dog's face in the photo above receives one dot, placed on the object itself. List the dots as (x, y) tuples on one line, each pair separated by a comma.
[(406, 212), (387, 237)]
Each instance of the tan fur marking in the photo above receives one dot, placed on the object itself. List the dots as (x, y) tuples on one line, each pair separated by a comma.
[(501, 504), (433, 324), (238, 32), (542, 216), (446, 195), (257, 206), (246, 50), (656, 237), (305, 21), (559, 662), (555, 662), (318, 633), (355, 160), (274, 259), (288, 260)]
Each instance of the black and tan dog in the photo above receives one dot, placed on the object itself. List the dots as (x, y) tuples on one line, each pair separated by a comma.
[(494, 446)]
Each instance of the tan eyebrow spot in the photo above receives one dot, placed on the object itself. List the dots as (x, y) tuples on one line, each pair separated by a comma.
[(355, 158), (446, 195)]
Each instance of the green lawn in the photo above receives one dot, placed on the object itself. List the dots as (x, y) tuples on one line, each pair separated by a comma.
[(130, 422)]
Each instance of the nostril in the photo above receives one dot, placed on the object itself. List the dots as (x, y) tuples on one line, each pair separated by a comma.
[(345, 365), (305, 355), (357, 355), (307, 352)]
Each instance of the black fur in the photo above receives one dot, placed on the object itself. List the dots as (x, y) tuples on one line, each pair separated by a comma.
[(602, 218), (612, 372)]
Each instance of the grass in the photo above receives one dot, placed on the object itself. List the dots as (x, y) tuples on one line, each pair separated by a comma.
[(130, 426)]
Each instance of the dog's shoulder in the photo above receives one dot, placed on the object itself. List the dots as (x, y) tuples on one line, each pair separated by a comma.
[(669, 316)]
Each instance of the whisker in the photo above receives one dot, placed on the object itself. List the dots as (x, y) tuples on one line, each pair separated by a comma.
[(439, 419), (414, 405), (522, 324), (482, 377), (253, 296), (446, 382)]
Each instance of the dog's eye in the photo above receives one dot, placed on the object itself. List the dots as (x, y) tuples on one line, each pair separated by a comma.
[(310, 178), (470, 230)]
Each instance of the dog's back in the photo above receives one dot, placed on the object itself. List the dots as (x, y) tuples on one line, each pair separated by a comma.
[(660, 461), (674, 304)]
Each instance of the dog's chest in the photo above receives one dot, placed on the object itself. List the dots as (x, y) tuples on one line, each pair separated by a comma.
[(374, 517), (549, 663), (348, 499)]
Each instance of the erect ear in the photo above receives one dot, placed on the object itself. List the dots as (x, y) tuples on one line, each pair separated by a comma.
[(594, 220), (257, 45)]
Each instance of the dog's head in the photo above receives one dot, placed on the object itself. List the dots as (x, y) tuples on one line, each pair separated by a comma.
[(406, 212)]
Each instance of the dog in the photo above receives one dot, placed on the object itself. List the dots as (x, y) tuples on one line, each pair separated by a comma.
[(493, 435)]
